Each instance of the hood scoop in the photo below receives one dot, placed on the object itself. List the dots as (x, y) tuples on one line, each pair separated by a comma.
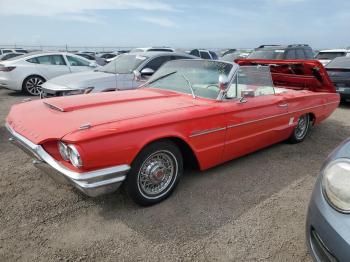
[(54, 107)]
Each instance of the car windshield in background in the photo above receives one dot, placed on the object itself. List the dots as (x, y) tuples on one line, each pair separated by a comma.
[(339, 62), (329, 55), (267, 54), (123, 64), (202, 76)]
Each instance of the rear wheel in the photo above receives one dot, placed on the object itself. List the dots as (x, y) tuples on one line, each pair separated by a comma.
[(32, 85), (154, 173), (301, 129)]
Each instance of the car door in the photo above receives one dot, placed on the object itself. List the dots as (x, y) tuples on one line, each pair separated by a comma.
[(50, 66), (78, 65), (256, 119)]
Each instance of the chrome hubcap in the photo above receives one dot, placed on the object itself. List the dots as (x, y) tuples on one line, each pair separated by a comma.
[(33, 86), (157, 172), (302, 126)]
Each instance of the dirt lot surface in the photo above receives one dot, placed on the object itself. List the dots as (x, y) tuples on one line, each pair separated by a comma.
[(249, 209)]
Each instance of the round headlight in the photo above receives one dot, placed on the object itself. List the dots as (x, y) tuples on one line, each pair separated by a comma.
[(74, 156), (336, 184), (62, 147)]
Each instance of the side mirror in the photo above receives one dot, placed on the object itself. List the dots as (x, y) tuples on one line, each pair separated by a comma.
[(147, 72), (223, 82), (93, 64)]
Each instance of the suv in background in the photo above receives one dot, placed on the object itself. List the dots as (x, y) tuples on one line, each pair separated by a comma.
[(325, 56), (204, 54), (282, 52)]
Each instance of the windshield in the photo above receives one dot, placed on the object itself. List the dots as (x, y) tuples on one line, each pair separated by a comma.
[(123, 64), (340, 62), (329, 55), (185, 76), (267, 54)]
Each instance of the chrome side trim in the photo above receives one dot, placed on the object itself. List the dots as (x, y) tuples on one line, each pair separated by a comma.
[(287, 113), (92, 183), (208, 131)]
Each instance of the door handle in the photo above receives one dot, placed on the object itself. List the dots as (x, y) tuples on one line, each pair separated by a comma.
[(283, 105)]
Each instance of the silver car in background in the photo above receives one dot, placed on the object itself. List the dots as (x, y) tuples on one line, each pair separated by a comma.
[(126, 71)]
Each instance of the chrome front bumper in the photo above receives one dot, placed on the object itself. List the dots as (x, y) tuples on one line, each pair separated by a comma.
[(93, 183)]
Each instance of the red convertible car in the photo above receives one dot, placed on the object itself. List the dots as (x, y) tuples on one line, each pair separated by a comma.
[(208, 111)]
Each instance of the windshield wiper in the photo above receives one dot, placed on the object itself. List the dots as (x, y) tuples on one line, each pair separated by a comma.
[(189, 84)]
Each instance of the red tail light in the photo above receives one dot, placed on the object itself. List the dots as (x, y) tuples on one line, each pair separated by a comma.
[(6, 68)]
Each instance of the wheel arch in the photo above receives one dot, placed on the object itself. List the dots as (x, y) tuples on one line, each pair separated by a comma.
[(312, 118), (31, 75), (189, 156)]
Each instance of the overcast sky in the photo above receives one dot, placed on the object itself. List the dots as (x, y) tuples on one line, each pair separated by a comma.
[(180, 23)]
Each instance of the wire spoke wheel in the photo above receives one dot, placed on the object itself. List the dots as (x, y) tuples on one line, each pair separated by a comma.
[(302, 127), (157, 173)]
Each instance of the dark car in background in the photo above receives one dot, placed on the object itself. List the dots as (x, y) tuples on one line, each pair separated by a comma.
[(339, 72), (283, 52), (328, 218), (204, 54)]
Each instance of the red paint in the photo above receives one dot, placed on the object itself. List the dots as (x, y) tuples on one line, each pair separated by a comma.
[(124, 122)]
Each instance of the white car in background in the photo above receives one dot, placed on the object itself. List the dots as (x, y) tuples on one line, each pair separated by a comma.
[(325, 56), (28, 72)]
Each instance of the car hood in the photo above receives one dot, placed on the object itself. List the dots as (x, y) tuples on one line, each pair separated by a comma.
[(53, 118), (87, 79)]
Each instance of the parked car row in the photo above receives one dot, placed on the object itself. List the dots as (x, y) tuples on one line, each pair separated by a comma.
[(127, 70)]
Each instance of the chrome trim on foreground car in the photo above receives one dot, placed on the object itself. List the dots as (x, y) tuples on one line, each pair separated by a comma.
[(93, 183)]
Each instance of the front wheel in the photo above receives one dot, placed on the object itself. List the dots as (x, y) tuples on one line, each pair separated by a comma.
[(301, 129), (32, 85), (154, 173)]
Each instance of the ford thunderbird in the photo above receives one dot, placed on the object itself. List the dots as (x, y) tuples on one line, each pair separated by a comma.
[(206, 111)]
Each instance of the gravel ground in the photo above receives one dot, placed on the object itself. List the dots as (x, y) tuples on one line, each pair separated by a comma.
[(252, 208)]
